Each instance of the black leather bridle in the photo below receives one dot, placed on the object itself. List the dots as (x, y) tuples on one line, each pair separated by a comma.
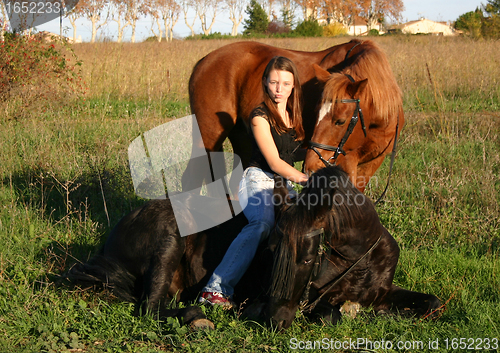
[(304, 304), (356, 115)]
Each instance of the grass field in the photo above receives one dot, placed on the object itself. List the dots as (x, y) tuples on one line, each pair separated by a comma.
[(64, 182)]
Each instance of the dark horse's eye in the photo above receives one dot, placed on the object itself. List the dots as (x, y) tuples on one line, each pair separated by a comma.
[(340, 122), (307, 262)]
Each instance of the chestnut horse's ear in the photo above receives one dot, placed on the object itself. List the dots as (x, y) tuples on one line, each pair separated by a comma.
[(355, 89), (321, 74)]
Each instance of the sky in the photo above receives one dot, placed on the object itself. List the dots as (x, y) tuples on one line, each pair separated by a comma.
[(436, 10)]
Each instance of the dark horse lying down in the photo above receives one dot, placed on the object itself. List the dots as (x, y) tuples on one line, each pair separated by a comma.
[(145, 261), (329, 248)]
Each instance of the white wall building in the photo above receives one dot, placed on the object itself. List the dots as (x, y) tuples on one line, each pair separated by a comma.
[(426, 26), (360, 28)]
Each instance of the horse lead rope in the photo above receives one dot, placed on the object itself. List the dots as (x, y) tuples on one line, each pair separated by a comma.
[(393, 156)]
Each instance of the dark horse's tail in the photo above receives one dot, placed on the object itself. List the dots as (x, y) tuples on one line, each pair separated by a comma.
[(104, 273)]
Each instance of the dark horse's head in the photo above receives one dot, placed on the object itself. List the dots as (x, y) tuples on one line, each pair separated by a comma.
[(329, 207)]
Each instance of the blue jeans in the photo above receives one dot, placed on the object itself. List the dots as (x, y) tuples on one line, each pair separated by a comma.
[(256, 199)]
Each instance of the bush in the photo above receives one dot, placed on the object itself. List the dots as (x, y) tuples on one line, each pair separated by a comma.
[(277, 27), (34, 73), (334, 30), (373, 32), (215, 35), (309, 28)]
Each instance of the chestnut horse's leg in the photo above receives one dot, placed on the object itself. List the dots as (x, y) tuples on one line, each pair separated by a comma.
[(242, 147), (214, 128), (366, 171)]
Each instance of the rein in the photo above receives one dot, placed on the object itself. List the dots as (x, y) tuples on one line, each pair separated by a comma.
[(305, 307)]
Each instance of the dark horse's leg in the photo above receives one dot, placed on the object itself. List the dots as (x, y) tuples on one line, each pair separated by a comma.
[(157, 281), (326, 312), (408, 303), (159, 274)]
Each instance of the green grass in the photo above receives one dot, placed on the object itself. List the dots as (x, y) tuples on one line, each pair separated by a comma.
[(64, 182)]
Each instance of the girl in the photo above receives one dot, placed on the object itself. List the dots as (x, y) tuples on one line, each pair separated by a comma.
[(277, 132)]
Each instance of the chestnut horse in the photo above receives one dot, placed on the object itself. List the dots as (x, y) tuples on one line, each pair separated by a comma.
[(330, 247), (225, 86)]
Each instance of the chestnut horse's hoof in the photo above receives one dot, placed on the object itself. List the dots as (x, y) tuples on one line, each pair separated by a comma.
[(202, 324)]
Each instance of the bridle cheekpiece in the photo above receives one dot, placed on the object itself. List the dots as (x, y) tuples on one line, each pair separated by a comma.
[(356, 115)]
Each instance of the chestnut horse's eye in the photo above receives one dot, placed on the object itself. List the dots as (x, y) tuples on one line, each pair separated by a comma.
[(340, 122)]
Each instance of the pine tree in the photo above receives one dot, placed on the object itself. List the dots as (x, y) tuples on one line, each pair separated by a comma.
[(257, 19), (493, 7)]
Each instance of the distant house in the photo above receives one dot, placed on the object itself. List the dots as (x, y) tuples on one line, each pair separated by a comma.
[(360, 28), (426, 26)]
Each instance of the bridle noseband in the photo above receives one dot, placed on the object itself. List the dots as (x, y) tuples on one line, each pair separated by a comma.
[(304, 304), (356, 115)]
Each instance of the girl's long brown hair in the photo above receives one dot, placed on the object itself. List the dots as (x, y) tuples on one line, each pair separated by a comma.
[(294, 103)]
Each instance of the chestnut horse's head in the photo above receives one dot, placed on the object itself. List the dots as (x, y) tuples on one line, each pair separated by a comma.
[(357, 114)]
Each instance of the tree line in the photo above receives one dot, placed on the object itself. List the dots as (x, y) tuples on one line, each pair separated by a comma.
[(165, 14), (263, 16), (484, 22)]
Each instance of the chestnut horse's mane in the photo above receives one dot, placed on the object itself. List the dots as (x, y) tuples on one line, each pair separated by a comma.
[(382, 94)]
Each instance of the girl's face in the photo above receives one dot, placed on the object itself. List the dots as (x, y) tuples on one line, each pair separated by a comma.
[(280, 85)]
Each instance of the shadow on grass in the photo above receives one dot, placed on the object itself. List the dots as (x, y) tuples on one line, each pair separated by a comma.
[(84, 208)]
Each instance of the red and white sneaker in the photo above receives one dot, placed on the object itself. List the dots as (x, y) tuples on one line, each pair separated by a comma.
[(215, 298)]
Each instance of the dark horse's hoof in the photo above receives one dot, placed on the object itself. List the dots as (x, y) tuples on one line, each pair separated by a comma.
[(202, 324)]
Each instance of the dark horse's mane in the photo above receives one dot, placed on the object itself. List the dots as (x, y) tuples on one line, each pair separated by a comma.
[(329, 201)]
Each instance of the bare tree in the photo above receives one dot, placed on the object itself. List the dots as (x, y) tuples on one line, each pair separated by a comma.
[(167, 11), (309, 8), (207, 9), (125, 13), (375, 11), (3, 21), (342, 11), (118, 14), (96, 12), (186, 5), (170, 17), (267, 5), (236, 10)]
